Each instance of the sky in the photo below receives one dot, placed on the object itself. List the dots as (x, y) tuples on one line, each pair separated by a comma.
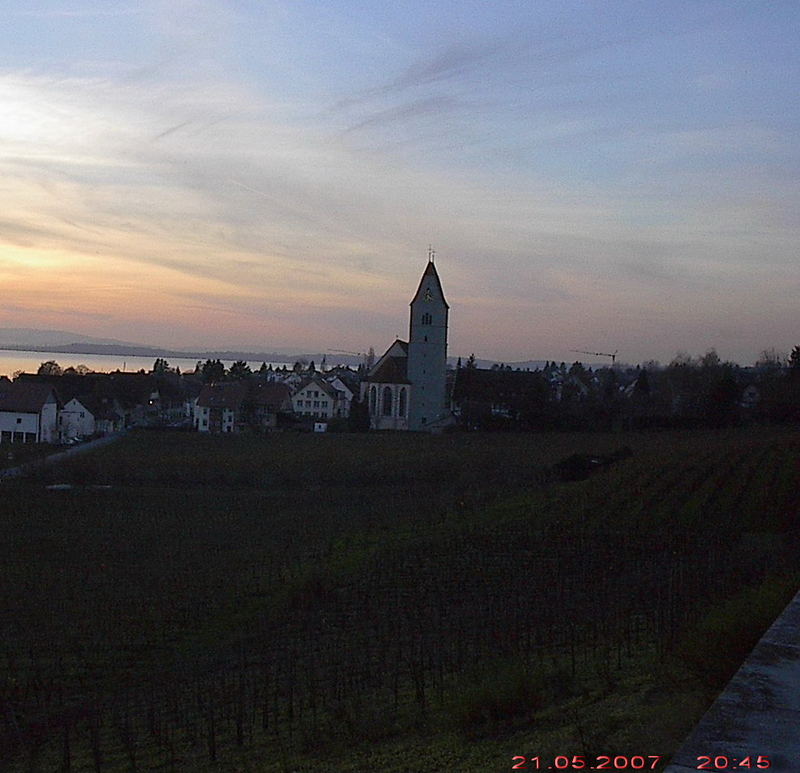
[(603, 175)]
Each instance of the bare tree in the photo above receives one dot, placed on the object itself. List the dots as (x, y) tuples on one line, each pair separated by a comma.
[(771, 359)]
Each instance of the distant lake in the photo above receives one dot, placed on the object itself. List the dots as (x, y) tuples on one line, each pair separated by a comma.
[(11, 361)]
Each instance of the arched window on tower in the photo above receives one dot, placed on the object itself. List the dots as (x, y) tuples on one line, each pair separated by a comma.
[(401, 403), (387, 401), (427, 318), (372, 401)]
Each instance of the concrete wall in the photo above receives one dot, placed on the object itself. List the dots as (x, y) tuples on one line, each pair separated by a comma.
[(758, 713)]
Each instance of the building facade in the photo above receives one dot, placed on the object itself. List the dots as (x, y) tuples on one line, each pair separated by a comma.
[(28, 413), (75, 419), (315, 398), (407, 388), (427, 353)]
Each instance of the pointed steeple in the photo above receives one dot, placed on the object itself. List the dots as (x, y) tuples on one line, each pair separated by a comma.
[(427, 351), (430, 281)]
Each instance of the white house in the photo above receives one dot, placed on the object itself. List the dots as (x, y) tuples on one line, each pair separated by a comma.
[(28, 412), (76, 419), (316, 398), (344, 396)]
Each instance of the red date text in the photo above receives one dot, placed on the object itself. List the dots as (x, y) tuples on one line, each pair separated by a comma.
[(582, 762)]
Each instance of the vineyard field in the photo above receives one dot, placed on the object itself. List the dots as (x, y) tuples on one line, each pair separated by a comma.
[(392, 602)]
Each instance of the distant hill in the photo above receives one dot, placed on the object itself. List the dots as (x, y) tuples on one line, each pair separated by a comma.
[(26, 338), (66, 342)]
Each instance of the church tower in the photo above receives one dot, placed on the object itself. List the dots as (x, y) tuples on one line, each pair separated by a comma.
[(427, 353)]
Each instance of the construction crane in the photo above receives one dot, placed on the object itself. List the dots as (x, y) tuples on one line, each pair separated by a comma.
[(363, 355), (599, 354)]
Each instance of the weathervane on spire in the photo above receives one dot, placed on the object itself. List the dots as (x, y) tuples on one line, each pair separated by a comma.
[(431, 254)]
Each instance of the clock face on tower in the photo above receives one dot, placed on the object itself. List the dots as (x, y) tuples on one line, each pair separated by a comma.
[(428, 295)]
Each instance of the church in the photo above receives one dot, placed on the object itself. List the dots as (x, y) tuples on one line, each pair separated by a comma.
[(406, 389)]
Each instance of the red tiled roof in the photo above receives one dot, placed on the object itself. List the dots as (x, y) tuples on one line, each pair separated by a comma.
[(24, 396), (223, 395), (323, 385), (393, 370), (99, 408), (270, 393)]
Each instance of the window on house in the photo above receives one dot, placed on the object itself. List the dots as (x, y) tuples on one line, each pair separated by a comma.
[(19, 421), (387, 401), (401, 406), (372, 400)]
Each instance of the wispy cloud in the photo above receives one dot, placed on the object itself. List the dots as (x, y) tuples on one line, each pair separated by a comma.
[(403, 113), (567, 163), (77, 12), (455, 61)]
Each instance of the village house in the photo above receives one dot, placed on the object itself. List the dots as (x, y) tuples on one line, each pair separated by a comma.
[(28, 412), (235, 406), (87, 415), (137, 395), (114, 400), (265, 402), (315, 397), (344, 396), (480, 396), (108, 416), (219, 407), (75, 419)]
